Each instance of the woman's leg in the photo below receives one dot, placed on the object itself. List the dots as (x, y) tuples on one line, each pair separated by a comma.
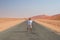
[(31, 28), (28, 27)]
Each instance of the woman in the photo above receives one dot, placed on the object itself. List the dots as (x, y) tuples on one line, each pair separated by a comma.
[(29, 27)]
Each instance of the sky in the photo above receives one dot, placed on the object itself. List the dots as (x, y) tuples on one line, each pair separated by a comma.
[(28, 8)]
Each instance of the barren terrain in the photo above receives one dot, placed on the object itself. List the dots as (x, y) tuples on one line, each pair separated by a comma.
[(51, 24), (6, 23)]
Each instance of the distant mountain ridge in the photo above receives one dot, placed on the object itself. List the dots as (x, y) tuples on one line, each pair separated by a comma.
[(54, 17)]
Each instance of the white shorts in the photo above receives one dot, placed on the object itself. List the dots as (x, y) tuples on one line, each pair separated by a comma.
[(29, 26)]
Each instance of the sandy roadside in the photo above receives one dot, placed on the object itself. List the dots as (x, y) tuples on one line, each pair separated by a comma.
[(51, 27), (5, 25)]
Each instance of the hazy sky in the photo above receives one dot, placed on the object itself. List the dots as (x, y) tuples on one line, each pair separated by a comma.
[(28, 8)]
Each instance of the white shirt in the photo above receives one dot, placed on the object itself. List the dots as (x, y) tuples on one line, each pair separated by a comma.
[(29, 22)]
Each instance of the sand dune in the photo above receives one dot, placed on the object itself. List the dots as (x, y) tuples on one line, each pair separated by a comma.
[(53, 17), (6, 23)]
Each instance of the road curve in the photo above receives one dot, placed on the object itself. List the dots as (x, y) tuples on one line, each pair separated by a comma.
[(19, 32)]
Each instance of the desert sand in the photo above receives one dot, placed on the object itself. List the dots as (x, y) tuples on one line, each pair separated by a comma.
[(54, 25), (6, 23)]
